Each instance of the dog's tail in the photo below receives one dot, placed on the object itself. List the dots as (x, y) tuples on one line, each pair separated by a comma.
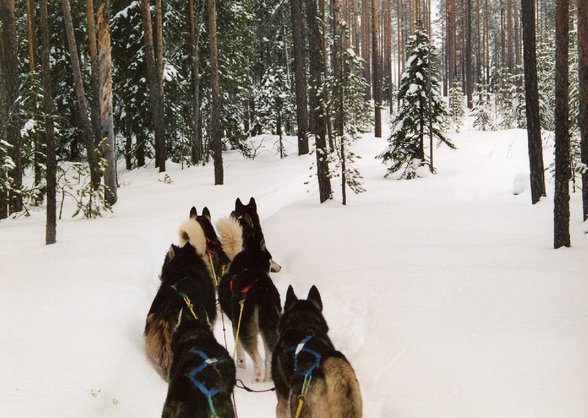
[(158, 335), (191, 231), (230, 235), (342, 387)]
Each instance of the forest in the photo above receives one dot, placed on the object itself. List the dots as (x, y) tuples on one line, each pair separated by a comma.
[(90, 88)]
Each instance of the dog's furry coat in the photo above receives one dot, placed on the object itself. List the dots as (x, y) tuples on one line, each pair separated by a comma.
[(334, 390), (184, 269), (184, 398)]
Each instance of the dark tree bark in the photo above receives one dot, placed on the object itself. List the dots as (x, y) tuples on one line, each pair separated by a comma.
[(300, 75), (81, 95), (532, 102), (12, 130), (469, 70), (32, 52), (215, 127), (197, 149), (376, 72), (451, 42), (95, 76), (365, 44), (3, 119), (317, 116), (155, 98), (106, 119), (561, 212), (582, 7), (51, 220)]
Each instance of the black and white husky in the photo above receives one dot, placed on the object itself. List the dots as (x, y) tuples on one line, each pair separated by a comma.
[(202, 376), (305, 363), (249, 297), (198, 231)]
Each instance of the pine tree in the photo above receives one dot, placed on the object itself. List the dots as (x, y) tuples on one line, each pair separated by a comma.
[(456, 106), (421, 115), (482, 112), (353, 115)]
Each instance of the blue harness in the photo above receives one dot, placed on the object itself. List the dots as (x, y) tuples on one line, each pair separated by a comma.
[(300, 348), (209, 393)]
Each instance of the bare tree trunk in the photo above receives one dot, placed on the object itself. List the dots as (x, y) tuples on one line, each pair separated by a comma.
[(154, 87), (562, 135), (197, 154), (399, 41), (215, 127), (365, 44), (106, 120), (532, 102), (12, 133), (469, 71), (376, 76), (93, 48), (582, 7), (509, 36), (81, 95), (300, 75), (317, 116), (51, 220), (37, 156), (388, 50), (451, 42), (3, 118)]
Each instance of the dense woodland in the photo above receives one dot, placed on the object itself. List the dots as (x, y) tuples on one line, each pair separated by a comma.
[(84, 85)]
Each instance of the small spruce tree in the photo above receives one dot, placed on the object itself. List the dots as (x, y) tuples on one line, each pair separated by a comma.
[(482, 112), (421, 115), (456, 106)]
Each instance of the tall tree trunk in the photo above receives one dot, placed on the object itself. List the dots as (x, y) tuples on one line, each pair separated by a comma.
[(532, 102), (197, 154), (12, 135), (561, 211), (154, 87), (3, 117), (317, 116), (451, 42), (469, 70), (509, 36), (215, 127), (376, 75), (582, 7), (95, 76), (300, 75), (32, 51), (365, 44), (400, 46), (81, 95), (106, 120), (388, 50), (51, 220)]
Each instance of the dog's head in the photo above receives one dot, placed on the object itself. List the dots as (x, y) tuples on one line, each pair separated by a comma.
[(304, 314), (176, 260), (252, 233)]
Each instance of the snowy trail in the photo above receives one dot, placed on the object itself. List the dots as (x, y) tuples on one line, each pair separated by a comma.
[(443, 292)]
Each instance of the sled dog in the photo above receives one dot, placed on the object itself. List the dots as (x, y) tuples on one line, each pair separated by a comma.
[(182, 268), (251, 301), (198, 231), (202, 376), (251, 210), (304, 352)]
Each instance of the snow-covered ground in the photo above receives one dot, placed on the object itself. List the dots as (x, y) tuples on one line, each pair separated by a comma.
[(444, 292)]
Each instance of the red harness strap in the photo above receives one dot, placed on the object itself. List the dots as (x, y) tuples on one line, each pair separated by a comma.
[(245, 289)]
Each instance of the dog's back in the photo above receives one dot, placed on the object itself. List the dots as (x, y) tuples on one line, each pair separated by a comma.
[(201, 367)]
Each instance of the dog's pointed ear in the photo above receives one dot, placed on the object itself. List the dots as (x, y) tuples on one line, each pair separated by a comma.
[(247, 219), (193, 213), (206, 213), (290, 298), (171, 253), (234, 215), (314, 297), (239, 205), (252, 204)]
